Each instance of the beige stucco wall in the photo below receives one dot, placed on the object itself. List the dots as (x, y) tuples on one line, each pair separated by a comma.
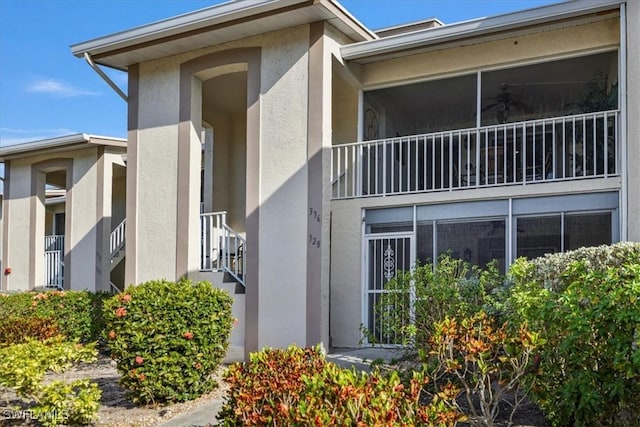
[(24, 223), (156, 163), (16, 206), (633, 121), (1, 240), (509, 51), (283, 189), (283, 183)]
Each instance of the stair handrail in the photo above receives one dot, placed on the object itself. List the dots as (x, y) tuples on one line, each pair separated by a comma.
[(117, 238), (234, 253)]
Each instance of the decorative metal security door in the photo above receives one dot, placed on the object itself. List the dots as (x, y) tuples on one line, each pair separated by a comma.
[(386, 256)]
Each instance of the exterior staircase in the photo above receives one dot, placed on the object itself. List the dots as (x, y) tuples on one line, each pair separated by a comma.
[(117, 244), (222, 249)]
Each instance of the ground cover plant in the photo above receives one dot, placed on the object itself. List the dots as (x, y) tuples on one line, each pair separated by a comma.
[(168, 338), (299, 387), (40, 333), (23, 367)]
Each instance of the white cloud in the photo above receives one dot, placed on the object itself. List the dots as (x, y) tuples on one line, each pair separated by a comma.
[(58, 88)]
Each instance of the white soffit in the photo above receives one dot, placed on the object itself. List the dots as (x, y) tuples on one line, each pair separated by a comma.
[(225, 22), (407, 44)]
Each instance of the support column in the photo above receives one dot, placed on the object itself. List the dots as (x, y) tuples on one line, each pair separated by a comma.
[(319, 142), (632, 100), (103, 220), (81, 230), (208, 168)]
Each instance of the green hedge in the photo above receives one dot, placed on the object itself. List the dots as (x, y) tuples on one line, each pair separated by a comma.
[(168, 338), (78, 314), (586, 305)]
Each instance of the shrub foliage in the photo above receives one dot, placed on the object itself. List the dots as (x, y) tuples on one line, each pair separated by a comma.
[(18, 329), (415, 301), (485, 364), (78, 314), (23, 366), (586, 305), (298, 387), (168, 338)]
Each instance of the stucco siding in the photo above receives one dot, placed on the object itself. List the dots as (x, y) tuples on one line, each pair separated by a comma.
[(633, 120), (517, 48), (283, 188)]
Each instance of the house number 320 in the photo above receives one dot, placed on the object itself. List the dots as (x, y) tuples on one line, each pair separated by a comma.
[(314, 241)]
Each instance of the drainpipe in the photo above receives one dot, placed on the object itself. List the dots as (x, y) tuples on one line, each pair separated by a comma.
[(106, 78)]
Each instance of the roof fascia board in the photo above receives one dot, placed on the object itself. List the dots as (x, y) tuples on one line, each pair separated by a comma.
[(58, 144), (344, 15), (475, 27), (202, 18)]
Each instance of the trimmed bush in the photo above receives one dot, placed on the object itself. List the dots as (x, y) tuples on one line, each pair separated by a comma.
[(586, 305), (16, 330), (78, 314), (298, 387), (168, 338), (23, 366)]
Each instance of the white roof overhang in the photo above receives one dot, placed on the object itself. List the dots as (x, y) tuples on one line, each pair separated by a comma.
[(62, 143), (413, 42), (214, 25)]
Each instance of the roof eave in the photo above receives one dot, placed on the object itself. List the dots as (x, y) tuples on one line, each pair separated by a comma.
[(218, 15), (62, 142), (474, 28), (177, 24)]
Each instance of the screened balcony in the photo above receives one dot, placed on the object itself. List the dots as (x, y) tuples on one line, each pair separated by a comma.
[(515, 126), (562, 148)]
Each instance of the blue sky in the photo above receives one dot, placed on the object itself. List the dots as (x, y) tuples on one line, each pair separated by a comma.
[(46, 92)]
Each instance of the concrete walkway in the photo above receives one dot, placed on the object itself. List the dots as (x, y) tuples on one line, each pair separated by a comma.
[(360, 358)]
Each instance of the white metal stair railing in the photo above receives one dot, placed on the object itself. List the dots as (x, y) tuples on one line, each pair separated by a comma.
[(233, 252), (117, 243), (221, 248), (54, 261)]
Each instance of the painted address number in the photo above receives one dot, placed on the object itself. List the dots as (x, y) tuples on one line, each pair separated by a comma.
[(314, 241)]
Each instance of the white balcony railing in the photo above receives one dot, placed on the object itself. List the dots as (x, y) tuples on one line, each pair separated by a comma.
[(54, 261), (560, 148), (221, 248)]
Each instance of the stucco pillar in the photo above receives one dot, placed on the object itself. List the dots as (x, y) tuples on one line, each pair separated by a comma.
[(633, 122), (81, 225), (103, 219), (163, 173), (17, 222), (188, 178), (208, 168), (318, 196)]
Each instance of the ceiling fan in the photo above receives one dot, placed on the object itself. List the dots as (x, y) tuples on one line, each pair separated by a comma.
[(504, 103)]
